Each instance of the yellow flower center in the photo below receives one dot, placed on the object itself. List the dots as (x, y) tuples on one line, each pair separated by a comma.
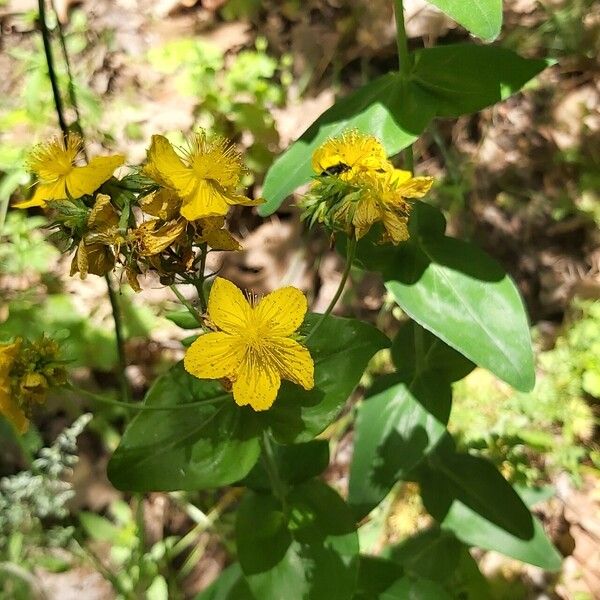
[(55, 158), (214, 159)]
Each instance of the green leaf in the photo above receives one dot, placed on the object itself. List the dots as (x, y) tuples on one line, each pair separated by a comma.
[(481, 17), (230, 585), (185, 449), (415, 588), (454, 512), (456, 291), (394, 431), (388, 107), (295, 464), (477, 483), (183, 319), (432, 554), (465, 78), (310, 549), (341, 349), (473, 529), (416, 350)]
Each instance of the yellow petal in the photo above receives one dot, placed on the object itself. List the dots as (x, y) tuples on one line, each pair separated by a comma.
[(163, 203), (7, 356), (256, 383), (220, 239), (281, 312), (166, 168), (100, 259), (132, 279), (239, 199), (45, 191), (103, 215), (396, 229), (156, 239), (86, 180), (293, 361), (228, 309), (214, 355), (398, 177), (12, 412), (79, 264), (367, 212), (417, 187), (206, 200)]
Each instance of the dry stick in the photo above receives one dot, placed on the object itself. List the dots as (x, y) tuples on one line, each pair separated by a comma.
[(116, 309)]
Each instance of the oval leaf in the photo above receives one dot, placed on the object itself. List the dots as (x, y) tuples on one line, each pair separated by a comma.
[(465, 78), (459, 293)]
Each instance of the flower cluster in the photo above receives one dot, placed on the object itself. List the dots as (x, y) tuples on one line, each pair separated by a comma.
[(162, 219), (27, 371), (356, 186)]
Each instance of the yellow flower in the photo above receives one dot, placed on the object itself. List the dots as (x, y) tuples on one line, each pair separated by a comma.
[(383, 198), (252, 346), (206, 176), (350, 154), (59, 178), (8, 406)]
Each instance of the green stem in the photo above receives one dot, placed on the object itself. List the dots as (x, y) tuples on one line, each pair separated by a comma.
[(190, 307), (200, 282), (277, 485), (350, 254), (119, 337), (139, 407), (402, 40), (51, 71), (71, 81), (404, 66)]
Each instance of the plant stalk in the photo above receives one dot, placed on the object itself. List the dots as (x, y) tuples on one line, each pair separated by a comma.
[(190, 307), (58, 104), (119, 337), (350, 254), (404, 67)]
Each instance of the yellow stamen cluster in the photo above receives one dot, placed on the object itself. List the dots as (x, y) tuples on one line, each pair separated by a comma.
[(356, 186)]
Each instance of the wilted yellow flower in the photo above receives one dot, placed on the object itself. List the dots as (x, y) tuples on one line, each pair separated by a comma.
[(94, 254), (207, 175), (8, 406), (252, 346), (165, 204), (350, 154), (27, 371), (59, 177), (382, 198)]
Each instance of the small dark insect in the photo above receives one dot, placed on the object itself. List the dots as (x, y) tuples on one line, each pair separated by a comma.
[(336, 169)]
